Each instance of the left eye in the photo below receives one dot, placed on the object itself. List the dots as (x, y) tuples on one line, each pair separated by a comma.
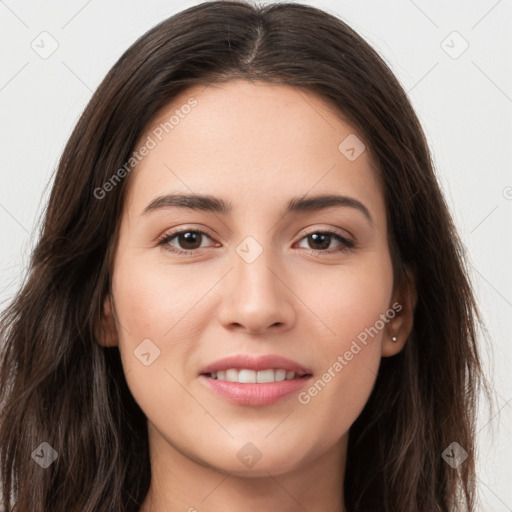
[(324, 238), (190, 240)]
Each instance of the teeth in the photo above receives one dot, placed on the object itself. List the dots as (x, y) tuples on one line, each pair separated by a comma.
[(245, 376), (251, 376), (265, 376), (231, 375), (281, 375)]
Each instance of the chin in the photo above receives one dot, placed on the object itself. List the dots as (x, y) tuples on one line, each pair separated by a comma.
[(248, 461)]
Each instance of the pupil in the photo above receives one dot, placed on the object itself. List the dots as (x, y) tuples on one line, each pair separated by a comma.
[(316, 236), (189, 239)]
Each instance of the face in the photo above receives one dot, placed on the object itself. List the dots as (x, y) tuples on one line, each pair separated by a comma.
[(309, 281)]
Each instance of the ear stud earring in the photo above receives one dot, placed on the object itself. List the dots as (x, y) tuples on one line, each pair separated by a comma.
[(394, 339)]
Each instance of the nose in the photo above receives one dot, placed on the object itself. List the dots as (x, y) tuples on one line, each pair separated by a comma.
[(256, 297)]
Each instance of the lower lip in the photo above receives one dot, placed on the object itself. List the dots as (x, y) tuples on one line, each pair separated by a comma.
[(267, 393)]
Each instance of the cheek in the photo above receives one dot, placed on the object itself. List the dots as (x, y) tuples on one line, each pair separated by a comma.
[(158, 327), (153, 300), (352, 300), (352, 304)]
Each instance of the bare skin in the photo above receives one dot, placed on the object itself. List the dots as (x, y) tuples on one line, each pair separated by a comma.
[(256, 146)]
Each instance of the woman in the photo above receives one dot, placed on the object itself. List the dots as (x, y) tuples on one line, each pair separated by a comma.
[(248, 291)]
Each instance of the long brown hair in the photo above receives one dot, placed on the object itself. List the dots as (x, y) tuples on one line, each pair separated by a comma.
[(59, 386)]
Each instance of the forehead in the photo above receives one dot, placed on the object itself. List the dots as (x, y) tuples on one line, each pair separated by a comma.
[(252, 140)]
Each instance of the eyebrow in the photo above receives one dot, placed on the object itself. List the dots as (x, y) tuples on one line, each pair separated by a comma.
[(208, 203)]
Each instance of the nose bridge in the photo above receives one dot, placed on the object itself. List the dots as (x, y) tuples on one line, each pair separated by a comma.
[(257, 297), (253, 264)]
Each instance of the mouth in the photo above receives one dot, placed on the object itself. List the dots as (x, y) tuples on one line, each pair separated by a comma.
[(249, 380), (255, 381)]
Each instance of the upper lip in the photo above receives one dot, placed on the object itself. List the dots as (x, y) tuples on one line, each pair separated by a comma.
[(265, 362)]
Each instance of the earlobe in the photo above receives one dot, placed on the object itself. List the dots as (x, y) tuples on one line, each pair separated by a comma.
[(106, 332), (400, 327), (393, 343)]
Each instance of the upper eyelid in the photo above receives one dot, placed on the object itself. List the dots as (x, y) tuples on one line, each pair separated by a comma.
[(307, 231)]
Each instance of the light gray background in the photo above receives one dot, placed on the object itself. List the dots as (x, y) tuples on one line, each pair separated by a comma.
[(464, 102)]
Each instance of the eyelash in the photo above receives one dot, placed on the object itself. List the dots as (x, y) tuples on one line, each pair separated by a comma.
[(346, 244)]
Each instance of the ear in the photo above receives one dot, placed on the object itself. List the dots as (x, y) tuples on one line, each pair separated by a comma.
[(400, 327), (106, 332)]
